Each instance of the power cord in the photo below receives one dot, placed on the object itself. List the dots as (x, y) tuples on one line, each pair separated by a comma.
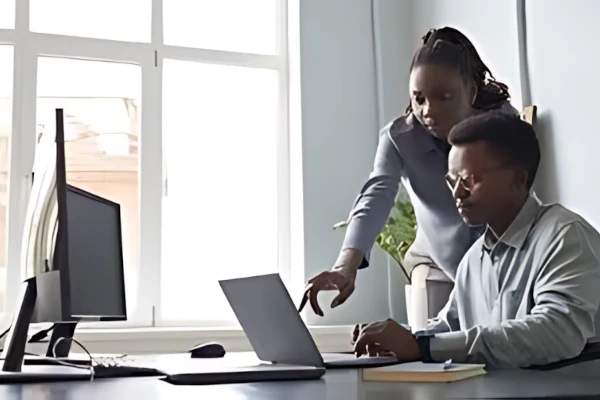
[(64, 363), (5, 332), (91, 367), (37, 337), (41, 335)]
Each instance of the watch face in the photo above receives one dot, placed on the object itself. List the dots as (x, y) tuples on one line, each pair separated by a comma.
[(423, 343)]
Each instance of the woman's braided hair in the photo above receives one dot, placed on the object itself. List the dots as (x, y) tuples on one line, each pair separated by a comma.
[(448, 46)]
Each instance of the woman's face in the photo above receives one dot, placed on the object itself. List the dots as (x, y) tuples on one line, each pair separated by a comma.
[(440, 98)]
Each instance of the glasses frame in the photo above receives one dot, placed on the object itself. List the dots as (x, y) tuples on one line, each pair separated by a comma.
[(469, 182)]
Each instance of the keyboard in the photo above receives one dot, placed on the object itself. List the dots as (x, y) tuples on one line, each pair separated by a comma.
[(121, 367), (250, 374)]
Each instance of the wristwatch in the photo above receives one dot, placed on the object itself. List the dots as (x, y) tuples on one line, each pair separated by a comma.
[(423, 341)]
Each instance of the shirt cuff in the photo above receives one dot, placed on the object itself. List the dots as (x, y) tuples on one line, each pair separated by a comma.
[(448, 346), (354, 240), (351, 241)]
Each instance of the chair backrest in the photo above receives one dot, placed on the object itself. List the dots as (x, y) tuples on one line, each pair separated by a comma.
[(529, 114)]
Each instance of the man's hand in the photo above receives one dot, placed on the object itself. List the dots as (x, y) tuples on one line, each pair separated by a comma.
[(384, 337), (339, 278)]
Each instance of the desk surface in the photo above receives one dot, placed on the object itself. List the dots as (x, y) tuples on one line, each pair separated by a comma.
[(570, 383)]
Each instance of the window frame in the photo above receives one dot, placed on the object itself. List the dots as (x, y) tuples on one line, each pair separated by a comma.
[(28, 46)]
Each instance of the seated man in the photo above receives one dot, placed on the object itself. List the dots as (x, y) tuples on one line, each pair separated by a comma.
[(528, 290)]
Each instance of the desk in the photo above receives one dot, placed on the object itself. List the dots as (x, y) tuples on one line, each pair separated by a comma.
[(336, 385)]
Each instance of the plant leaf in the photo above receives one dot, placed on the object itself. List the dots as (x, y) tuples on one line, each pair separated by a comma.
[(398, 234), (341, 224)]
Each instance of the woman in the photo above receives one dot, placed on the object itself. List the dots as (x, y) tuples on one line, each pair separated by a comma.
[(448, 83)]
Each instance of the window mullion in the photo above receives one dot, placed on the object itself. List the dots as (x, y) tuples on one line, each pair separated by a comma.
[(151, 178), (89, 48), (283, 149), (7, 36), (150, 195), (22, 149)]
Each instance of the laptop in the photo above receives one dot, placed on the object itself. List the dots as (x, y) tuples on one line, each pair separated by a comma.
[(275, 329)]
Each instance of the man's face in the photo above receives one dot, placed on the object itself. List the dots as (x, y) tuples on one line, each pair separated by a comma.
[(484, 184)]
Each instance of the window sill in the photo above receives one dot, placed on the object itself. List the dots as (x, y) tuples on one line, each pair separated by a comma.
[(177, 340)]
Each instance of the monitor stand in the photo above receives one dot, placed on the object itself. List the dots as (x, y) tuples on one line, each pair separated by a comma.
[(66, 331), (14, 346), (16, 340)]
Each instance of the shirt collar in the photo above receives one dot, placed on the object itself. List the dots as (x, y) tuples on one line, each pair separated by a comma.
[(518, 230)]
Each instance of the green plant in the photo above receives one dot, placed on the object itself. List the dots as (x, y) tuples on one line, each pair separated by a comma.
[(398, 233)]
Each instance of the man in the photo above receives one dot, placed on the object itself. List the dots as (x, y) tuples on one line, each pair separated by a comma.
[(528, 290)]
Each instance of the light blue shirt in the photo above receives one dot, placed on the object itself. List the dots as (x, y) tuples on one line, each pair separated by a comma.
[(527, 298)]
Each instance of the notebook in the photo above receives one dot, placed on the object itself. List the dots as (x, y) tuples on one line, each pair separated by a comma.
[(423, 372)]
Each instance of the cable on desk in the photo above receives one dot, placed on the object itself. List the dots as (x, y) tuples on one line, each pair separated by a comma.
[(5, 332), (36, 337), (64, 363), (41, 335), (56, 360), (91, 367)]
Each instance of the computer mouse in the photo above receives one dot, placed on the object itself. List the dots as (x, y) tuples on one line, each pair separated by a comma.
[(208, 350)]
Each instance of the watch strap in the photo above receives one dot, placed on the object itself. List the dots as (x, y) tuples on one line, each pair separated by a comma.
[(424, 343)]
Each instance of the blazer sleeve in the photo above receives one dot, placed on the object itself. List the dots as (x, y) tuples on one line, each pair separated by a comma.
[(374, 203)]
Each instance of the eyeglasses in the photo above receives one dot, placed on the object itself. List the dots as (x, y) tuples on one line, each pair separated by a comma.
[(468, 182)]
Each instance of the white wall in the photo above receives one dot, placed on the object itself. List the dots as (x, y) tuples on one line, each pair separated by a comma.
[(394, 47), (393, 31), (563, 65), (340, 124)]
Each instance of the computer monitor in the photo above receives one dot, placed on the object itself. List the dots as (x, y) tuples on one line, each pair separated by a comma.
[(95, 258), (87, 280), (73, 245)]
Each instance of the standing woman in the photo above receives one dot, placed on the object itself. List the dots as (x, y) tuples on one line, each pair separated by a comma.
[(448, 83)]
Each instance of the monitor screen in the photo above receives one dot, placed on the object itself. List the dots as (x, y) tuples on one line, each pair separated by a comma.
[(95, 257)]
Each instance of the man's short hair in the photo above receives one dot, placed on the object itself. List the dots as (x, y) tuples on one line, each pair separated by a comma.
[(505, 133)]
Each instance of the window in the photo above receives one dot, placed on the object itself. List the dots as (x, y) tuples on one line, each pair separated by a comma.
[(126, 20), (219, 132), (7, 14), (102, 119), (175, 109), (6, 86), (230, 25)]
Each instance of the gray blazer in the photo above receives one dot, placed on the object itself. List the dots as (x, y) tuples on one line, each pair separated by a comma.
[(407, 153)]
